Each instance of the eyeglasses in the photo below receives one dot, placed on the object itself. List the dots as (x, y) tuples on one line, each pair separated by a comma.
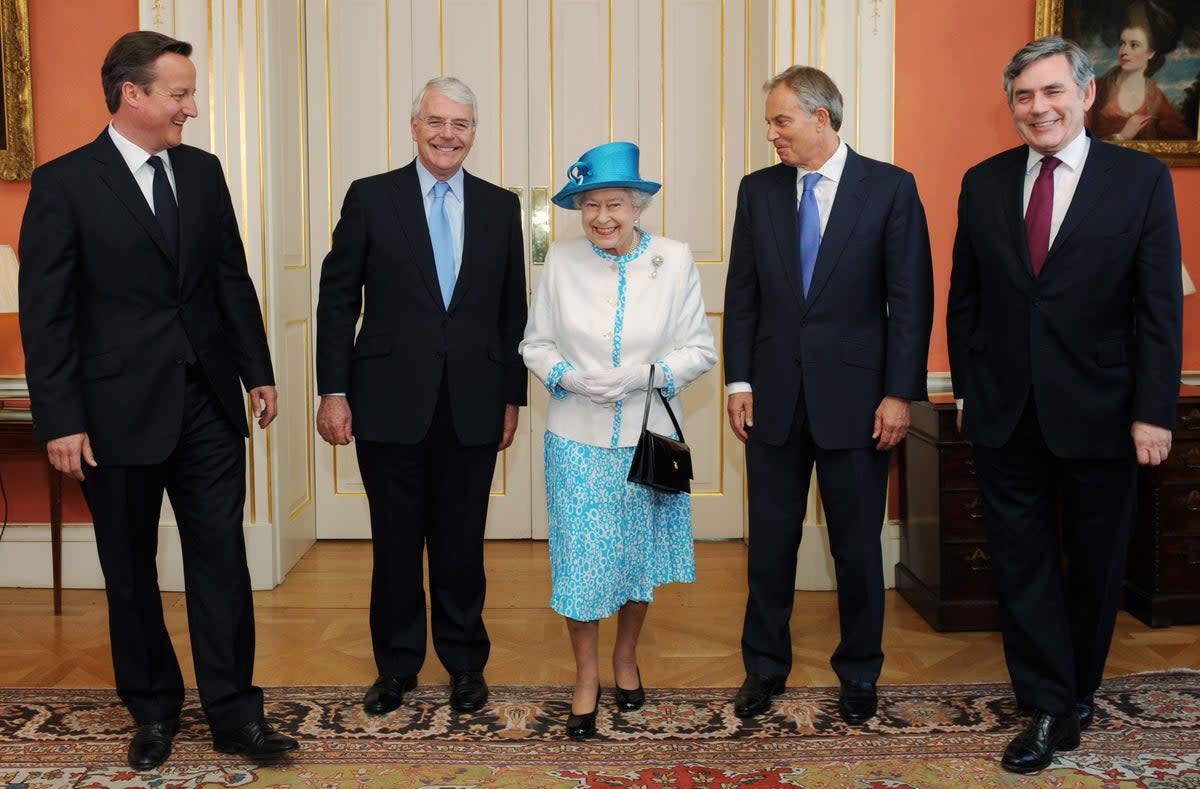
[(458, 125)]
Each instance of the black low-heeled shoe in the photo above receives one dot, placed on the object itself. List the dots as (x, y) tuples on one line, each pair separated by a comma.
[(631, 700), (580, 727)]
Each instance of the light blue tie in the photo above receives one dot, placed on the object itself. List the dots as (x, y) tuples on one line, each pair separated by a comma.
[(442, 240), (808, 226)]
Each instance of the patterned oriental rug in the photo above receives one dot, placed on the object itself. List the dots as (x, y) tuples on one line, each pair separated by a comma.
[(1146, 736)]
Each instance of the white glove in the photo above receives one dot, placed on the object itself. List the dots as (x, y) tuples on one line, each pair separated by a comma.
[(577, 382), (610, 386)]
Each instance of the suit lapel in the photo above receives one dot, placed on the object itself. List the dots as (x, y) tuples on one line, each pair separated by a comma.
[(1013, 197), (781, 208), (410, 213), (1093, 182), (475, 220), (847, 205), (187, 183), (116, 176)]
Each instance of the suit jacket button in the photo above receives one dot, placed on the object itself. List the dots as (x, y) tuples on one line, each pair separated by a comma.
[(803, 323), (440, 354)]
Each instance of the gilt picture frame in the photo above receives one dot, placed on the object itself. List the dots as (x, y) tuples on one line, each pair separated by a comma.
[(16, 87), (1113, 32)]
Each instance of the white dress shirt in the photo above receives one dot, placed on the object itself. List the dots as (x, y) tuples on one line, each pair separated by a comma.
[(1066, 178), (825, 191), (138, 161)]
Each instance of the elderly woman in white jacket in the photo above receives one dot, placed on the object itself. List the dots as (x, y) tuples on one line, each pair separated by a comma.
[(609, 306)]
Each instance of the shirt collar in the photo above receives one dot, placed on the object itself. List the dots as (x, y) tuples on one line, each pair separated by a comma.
[(832, 169), (1072, 154), (427, 180), (134, 155)]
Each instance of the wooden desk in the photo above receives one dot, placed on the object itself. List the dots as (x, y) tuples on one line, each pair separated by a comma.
[(16, 438)]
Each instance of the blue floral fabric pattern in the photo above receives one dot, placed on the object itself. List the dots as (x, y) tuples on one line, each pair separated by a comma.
[(560, 369), (611, 541), (669, 389)]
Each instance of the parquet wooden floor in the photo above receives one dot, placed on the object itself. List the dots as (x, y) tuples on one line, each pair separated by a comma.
[(312, 629)]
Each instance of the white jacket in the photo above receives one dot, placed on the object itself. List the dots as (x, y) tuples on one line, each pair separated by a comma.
[(585, 313)]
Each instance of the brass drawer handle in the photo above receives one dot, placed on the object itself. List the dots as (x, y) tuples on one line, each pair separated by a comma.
[(979, 561), (1191, 459), (1191, 420), (1192, 502), (970, 464), (974, 509)]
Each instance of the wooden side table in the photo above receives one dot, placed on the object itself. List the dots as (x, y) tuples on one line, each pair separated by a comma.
[(16, 439)]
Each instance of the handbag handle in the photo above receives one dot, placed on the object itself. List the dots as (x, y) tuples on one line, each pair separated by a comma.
[(646, 414)]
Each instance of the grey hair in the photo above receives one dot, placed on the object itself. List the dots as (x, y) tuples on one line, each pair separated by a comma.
[(452, 88), (638, 197), (1049, 46), (813, 88)]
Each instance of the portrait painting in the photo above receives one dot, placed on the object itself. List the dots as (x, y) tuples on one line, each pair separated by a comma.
[(1146, 55), (16, 108)]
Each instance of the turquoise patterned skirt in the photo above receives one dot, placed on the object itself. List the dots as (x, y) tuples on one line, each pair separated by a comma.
[(610, 541)]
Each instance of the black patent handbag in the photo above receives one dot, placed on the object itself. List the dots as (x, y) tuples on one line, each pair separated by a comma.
[(660, 462)]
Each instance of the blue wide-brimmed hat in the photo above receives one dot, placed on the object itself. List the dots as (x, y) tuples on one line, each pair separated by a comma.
[(612, 165)]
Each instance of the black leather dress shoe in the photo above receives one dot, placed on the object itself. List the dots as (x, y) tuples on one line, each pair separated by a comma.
[(754, 696), (387, 694), (631, 700), (151, 744), (857, 702), (1085, 708), (1033, 749), (580, 727), (256, 740), (468, 691)]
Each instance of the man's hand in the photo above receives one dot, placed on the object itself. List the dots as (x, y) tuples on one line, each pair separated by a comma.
[(65, 453), (265, 400), (741, 414), (1153, 443), (511, 414), (892, 418), (333, 420)]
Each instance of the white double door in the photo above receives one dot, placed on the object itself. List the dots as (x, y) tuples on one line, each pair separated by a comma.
[(554, 78)]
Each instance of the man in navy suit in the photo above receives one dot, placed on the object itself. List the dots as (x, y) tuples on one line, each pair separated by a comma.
[(139, 321), (429, 389), (828, 310), (1065, 333)]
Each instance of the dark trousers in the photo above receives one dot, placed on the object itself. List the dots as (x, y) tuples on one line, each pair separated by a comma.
[(430, 495), (853, 484), (1056, 617), (205, 477)]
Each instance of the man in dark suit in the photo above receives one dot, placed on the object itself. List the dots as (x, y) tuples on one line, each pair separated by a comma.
[(1064, 326), (434, 384), (139, 319), (828, 310)]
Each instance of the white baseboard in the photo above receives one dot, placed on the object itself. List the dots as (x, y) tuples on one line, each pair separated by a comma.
[(25, 557)]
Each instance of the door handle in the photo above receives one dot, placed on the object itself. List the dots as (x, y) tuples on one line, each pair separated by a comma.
[(539, 224)]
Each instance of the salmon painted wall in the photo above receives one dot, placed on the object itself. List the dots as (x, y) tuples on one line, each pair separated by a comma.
[(67, 42), (949, 57)]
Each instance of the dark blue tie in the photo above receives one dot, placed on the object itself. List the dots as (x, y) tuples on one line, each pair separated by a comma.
[(808, 227), (166, 210)]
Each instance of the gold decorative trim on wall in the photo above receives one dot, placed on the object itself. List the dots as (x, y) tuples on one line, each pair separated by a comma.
[(16, 119)]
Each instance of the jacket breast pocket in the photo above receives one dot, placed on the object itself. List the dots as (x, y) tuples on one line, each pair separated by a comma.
[(103, 365)]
